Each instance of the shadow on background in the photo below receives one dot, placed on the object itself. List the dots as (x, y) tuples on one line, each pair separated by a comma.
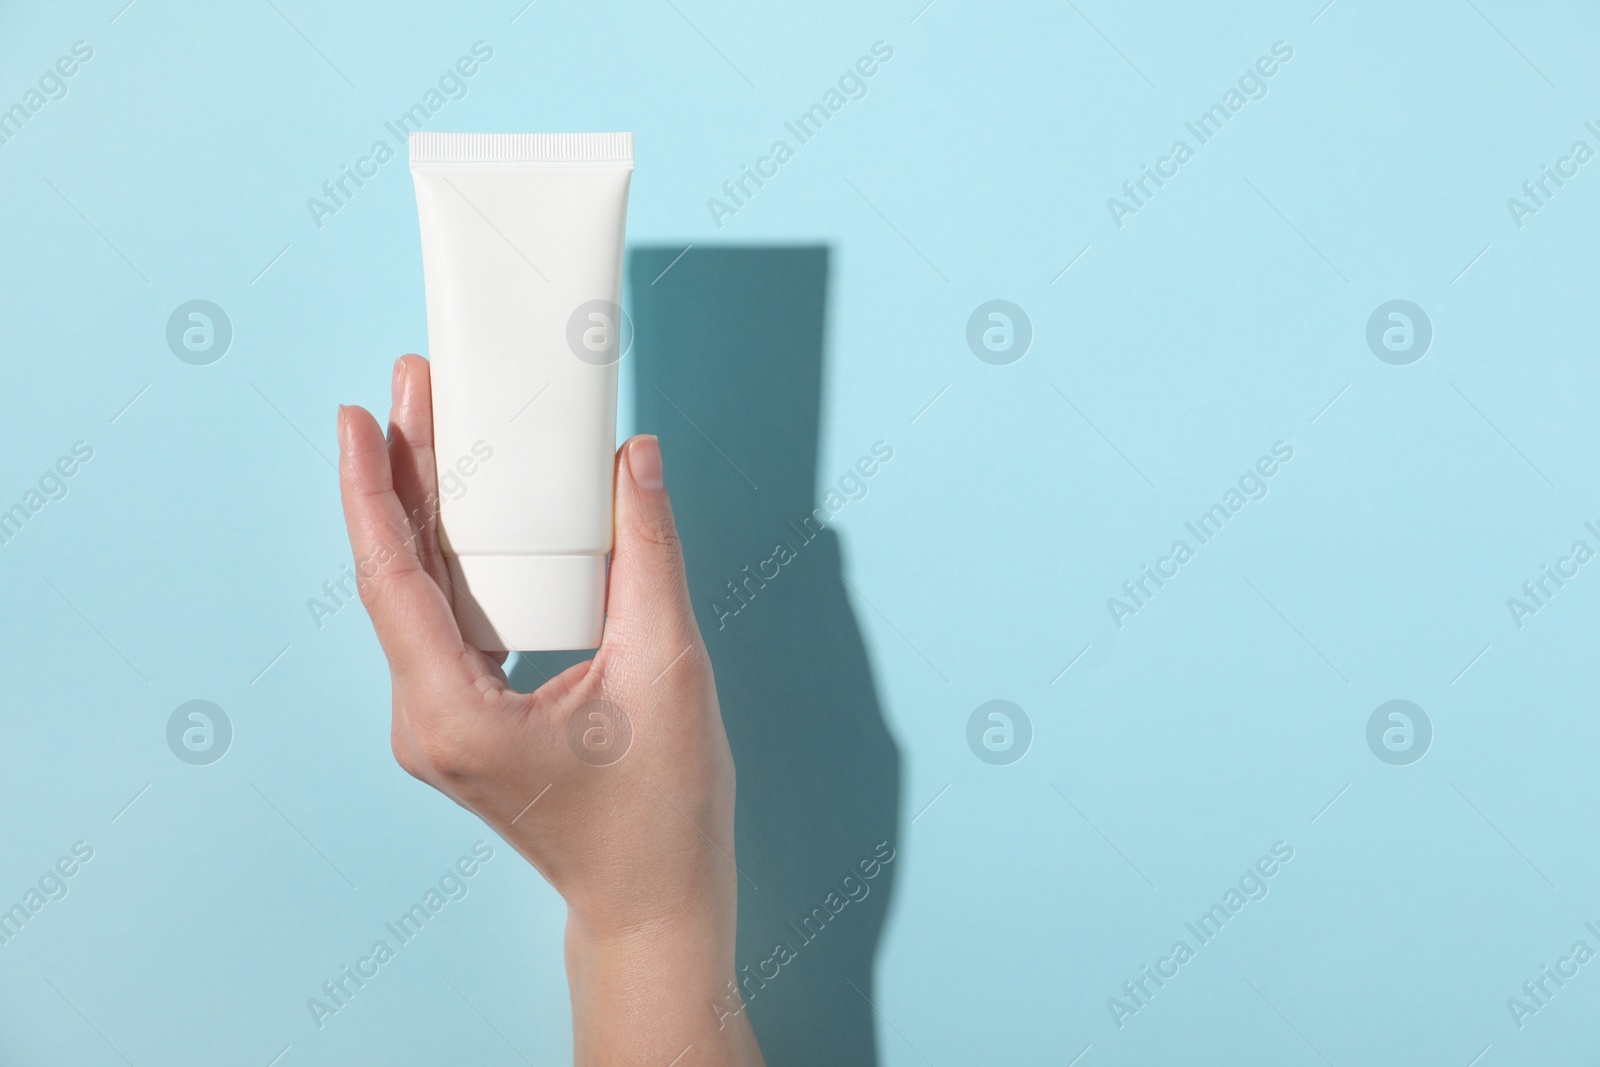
[(727, 364)]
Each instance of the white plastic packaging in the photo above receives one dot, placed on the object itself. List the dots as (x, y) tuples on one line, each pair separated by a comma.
[(522, 239)]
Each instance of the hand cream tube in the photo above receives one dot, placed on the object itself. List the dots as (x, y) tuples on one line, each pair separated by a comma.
[(522, 267)]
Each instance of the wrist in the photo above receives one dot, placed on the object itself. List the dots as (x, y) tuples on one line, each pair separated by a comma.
[(651, 991)]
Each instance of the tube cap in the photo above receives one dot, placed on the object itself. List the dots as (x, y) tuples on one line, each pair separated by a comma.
[(529, 603)]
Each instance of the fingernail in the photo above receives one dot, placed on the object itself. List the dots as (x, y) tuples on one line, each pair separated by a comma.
[(397, 379), (644, 462)]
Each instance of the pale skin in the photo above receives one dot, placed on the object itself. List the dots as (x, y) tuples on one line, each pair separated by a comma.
[(641, 850)]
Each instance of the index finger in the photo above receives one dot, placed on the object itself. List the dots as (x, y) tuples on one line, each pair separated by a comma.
[(409, 610)]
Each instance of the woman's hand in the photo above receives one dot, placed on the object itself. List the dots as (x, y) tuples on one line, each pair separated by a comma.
[(614, 778)]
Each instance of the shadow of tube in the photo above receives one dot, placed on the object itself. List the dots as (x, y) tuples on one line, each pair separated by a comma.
[(728, 363)]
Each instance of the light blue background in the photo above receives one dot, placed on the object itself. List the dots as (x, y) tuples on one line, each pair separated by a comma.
[(1223, 317)]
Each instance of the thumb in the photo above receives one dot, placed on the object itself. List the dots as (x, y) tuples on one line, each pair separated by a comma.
[(647, 603)]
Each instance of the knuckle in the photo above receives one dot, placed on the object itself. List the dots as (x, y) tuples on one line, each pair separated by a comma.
[(407, 759), (660, 532), (373, 579), (367, 589), (449, 756), (403, 747), (439, 752)]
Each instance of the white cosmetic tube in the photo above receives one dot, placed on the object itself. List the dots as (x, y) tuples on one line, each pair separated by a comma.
[(522, 266)]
